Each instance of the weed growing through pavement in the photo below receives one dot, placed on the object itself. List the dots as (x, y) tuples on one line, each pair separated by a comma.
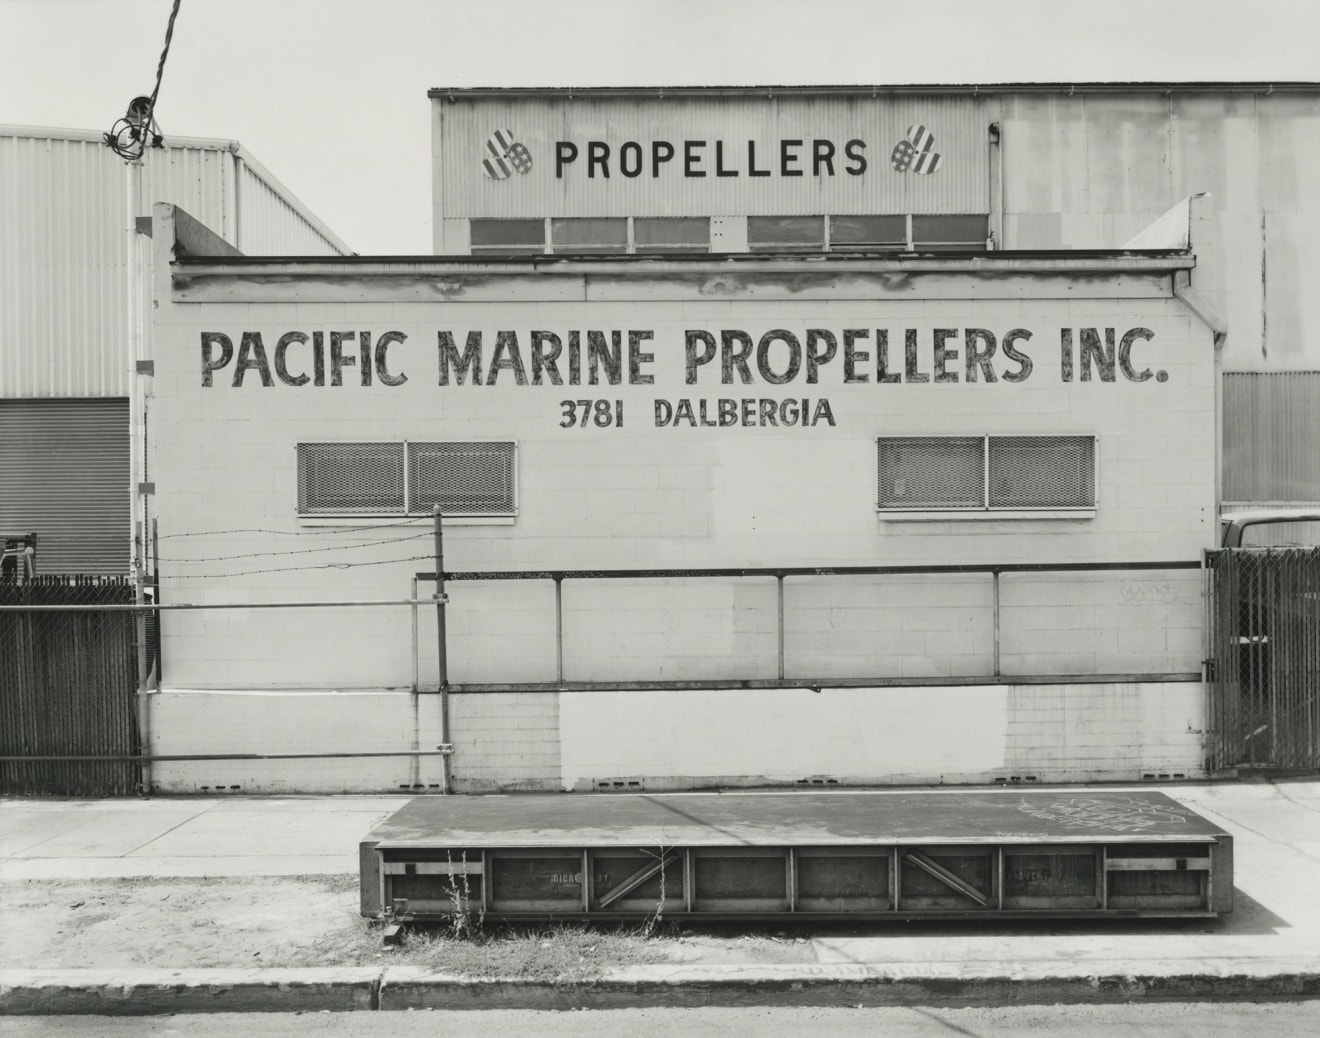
[(462, 922), (653, 922)]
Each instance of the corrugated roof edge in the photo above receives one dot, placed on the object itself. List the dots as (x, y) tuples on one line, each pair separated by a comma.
[(1152, 87), (198, 144)]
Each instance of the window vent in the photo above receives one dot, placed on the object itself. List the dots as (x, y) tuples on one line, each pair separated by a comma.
[(463, 478), (350, 478), (985, 473), (471, 478)]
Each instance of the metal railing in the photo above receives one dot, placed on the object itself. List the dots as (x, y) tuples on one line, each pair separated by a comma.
[(995, 572)]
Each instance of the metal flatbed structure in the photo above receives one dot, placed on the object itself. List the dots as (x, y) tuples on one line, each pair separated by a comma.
[(810, 855)]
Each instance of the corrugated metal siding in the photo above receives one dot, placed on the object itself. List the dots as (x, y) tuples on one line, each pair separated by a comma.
[(62, 254), (1090, 171), (271, 223), (63, 247), (1271, 449), (960, 126), (64, 474), (195, 179)]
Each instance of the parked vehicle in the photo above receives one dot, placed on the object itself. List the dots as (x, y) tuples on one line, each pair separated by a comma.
[(1266, 579), (18, 564), (1271, 528)]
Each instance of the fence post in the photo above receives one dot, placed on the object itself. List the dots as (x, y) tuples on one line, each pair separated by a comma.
[(413, 610), (559, 628), (779, 582), (140, 598), (446, 747), (141, 702)]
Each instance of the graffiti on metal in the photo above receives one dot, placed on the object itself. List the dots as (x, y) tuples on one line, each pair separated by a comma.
[(1114, 814)]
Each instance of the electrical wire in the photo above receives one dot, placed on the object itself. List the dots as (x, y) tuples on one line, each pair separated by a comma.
[(295, 551), (185, 577), (305, 532), (160, 68), (129, 136)]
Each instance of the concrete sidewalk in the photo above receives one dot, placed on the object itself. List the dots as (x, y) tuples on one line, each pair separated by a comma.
[(1268, 947)]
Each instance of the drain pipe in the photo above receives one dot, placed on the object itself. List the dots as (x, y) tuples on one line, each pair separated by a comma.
[(446, 747), (1182, 289)]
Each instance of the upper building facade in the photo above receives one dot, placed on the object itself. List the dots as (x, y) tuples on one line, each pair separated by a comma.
[(889, 170)]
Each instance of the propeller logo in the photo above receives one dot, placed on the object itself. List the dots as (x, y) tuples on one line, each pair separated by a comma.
[(915, 153), (504, 155)]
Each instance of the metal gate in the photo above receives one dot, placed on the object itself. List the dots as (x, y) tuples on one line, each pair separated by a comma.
[(68, 682), (1263, 658)]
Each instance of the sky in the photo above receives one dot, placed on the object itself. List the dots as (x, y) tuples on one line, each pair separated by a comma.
[(330, 96)]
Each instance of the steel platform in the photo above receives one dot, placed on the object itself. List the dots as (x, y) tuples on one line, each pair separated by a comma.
[(853, 855)]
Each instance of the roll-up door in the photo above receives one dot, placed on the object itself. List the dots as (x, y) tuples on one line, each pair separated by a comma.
[(64, 474)]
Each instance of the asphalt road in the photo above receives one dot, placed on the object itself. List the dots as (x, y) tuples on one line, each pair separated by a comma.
[(1162, 1020)]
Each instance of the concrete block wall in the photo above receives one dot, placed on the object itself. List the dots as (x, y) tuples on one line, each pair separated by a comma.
[(1130, 622), (505, 741), (695, 738), (640, 495), (647, 494), (926, 626), (1112, 732), (205, 722)]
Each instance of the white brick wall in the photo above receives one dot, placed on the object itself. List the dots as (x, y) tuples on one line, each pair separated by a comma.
[(505, 741), (199, 722), (667, 739), (223, 459), (641, 496), (1082, 733)]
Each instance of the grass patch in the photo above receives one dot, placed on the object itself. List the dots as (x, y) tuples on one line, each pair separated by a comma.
[(558, 952), (564, 952)]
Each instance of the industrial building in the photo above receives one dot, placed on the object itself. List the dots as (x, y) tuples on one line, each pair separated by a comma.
[(824, 436), (781, 436), (73, 253)]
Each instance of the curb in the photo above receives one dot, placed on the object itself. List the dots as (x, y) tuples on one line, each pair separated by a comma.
[(150, 992), (848, 984)]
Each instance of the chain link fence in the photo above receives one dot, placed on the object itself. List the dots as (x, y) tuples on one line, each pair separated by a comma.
[(1264, 657), (68, 681)]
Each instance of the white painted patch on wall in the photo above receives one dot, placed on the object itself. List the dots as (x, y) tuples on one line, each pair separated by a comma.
[(783, 735)]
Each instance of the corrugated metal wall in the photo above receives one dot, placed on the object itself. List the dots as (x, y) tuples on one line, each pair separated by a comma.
[(64, 474), (63, 229), (1091, 170), (1271, 447), (62, 254), (960, 126), (271, 222)]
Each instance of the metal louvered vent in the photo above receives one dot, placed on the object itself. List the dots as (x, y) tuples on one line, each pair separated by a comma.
[(931, 472), (1042, 472), (346, 478), (988, 473), (470, 478)]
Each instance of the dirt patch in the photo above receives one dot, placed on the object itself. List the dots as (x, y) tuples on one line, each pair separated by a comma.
[(170, 923), (281, 922)]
